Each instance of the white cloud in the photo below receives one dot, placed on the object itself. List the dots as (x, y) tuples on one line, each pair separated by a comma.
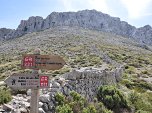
[(99, 5), (147, 14), (67, 4), (74, 5), (136, 8)]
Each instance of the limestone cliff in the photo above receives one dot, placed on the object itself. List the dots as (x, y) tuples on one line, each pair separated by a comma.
[(90, 19)]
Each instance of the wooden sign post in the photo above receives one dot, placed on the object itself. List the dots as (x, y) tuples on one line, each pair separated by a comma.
[(34, 103), (35, 81)]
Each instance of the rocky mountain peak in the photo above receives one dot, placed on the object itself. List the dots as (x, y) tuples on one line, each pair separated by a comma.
[(148, 27), (90, 19)]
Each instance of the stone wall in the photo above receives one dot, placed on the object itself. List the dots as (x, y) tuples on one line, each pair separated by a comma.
[(84, 81)]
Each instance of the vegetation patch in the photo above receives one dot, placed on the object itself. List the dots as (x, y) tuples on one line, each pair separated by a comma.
[(5, 95), (75, 103), (112, 98), (142, 102)]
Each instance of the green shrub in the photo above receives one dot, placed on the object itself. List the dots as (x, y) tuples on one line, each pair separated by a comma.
[(112, 97), (130, 70), (142, 105), (60, 98), (133, 97), (142, 84), (101, 108), (5, 96), (127, 83), (141, 111), (87, 60), (89, 109), (75, 96), (142, 102), (64, 109), (75, 103), (117, 56)]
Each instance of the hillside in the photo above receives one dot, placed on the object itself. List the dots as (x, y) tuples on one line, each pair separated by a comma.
[(87, 48)]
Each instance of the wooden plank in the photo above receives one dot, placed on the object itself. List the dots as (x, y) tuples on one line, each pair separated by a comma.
[(49, 62), (23, 81), (27, 81)]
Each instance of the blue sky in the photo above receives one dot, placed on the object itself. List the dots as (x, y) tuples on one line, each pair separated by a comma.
[(136, 12)]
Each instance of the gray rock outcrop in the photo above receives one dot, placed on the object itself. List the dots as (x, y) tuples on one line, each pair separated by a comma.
[(144, 35), (4, 33)]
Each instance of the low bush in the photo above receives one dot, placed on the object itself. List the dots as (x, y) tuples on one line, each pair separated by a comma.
[(75, 103), (112, 97), (127, 83), (89, 109), (142, 102), (64, 109), (5, 96), (142, 84), (141, 111)]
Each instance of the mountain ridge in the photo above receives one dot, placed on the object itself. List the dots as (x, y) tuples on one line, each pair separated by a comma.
[(91, 19)]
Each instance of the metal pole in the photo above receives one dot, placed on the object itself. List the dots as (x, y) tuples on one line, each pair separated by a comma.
[(35, 92)]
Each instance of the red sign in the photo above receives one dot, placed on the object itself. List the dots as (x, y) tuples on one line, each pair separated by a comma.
[(28, 61), (44, 81)]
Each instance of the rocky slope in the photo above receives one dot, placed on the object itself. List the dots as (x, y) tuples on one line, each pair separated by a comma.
[(94, 55), (91, 19), (79, 47)]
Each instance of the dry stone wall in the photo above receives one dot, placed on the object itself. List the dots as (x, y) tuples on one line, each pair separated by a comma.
[(85, 81)]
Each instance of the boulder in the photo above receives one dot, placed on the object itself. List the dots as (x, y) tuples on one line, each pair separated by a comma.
[(45, 107), (40, 104), (44, 98), (41, 110)]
